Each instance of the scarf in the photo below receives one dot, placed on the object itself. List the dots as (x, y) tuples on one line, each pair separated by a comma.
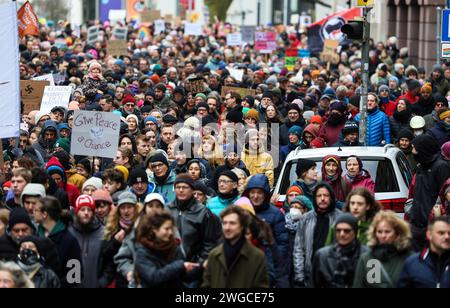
[(228, 197), (333, 178), (160, 180), (28, 269), (184, 205), (402, 116), (94, 76), (321, 231), (125, 224), (346, 259), (165, 249), (371, 111), (232, 251)]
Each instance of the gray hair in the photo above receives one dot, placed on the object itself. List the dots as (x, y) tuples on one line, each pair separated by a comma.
[(21, 280)]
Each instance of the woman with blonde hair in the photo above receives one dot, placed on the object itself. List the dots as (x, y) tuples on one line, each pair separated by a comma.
[(121, 222), (211, 151), (389, 241)]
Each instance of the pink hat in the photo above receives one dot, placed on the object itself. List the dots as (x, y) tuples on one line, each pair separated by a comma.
[(445, 149), (246, 204)]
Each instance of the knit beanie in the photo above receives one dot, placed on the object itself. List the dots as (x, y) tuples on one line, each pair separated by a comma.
[(348, 219), (304, 165), (184, 178), (84, 200)]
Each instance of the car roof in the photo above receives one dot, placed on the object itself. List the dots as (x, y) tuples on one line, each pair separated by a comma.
[(386, 151)]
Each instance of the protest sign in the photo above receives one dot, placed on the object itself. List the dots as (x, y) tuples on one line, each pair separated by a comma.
[(95, 134), (265, 42), (248, 34), (118, 48), (242, 91), (234, 39), (195, 85), (160, 26), (48, 77), (236, 73), (329, 51), (192, 29), (93, 35), (150, 15), (120, 33), (55, 96), (31, 93)]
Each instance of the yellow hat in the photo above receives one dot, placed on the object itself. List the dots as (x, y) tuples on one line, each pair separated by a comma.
[(124, 170)]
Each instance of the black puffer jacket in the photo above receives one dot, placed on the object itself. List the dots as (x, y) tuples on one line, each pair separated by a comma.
[(155, 272)]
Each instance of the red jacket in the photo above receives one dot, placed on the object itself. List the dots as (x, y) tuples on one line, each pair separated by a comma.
[(408, 96)]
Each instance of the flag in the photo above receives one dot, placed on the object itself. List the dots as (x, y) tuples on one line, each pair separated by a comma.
[(329, 28), (28, 21)]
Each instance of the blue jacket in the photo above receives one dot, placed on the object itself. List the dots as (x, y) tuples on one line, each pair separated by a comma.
[(167, 189), (440, 132), (150, 189), (422, 270), (378, 128), (269, 213), (217, 204), (286, 149)]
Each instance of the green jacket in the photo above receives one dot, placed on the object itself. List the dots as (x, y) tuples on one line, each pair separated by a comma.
[(248, 271), (392, 261), (363, 226)]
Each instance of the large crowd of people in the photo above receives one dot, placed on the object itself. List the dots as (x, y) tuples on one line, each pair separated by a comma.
[(187, 201)]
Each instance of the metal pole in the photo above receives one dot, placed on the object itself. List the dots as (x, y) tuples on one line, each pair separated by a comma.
[(190, 8), (365, 79), (258, 16), (285, 12), (438, 34)]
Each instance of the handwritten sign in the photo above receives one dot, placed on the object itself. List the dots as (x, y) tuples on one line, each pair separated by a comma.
[(118, 48), (234, 39), (31, 93), (329, 51), (55, 96), (192, 29), (150, 16), (48, 77), (160, 26), (195, 85), (237, 74), (243, 92), (95, 134)]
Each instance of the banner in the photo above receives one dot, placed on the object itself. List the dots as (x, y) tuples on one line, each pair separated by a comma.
[(28, 21), (108, 5), (9, 71), (31, 93), (56, 96), (134, 9), (117, 48), (266, 42), (117, 15), (95, 134), (329, 28), (291, 58)]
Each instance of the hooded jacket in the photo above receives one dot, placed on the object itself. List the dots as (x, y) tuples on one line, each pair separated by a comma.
[(313, 130), (54, 166), (260, 162), (363, 179), (41, 146), (339, 185), (304, 239), (32, 189), (90, 240), (440, 132), (166, 189), (330, 133)]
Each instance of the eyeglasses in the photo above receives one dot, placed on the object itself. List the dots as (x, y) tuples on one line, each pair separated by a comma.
[(225, 181), (129, 105), (346, 231), (156, 166)]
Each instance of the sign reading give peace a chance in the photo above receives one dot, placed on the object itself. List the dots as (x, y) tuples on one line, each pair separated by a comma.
[(95, 134)]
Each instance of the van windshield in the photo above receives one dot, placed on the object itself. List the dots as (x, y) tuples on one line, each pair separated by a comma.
[(381, 170)]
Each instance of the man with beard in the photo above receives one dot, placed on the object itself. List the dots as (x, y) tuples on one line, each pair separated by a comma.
[(404, 143), (432, 172), (129, 106), (425, 105), (161, 100), (163, 177), (432, 118), (378, 129), (214, 83), (88, 231), (47, 139), (179, 96), (331, 131), (294, 117), (438, 82)]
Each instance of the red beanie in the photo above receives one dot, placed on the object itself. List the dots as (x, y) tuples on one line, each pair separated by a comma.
[(84, 200), (318, 143), (128, 99), (296, 189)]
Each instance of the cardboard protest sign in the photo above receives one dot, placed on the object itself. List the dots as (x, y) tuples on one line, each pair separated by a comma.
[(118, 48), (95, 134), (150, 15), (242, 91), (329, 51), (195, 85), (55, 96), (31, 93)]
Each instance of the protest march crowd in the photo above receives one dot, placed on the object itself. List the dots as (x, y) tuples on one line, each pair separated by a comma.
[(187, 200)]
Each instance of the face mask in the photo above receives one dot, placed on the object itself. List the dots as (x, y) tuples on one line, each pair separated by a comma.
[(418, 132), (28, 257), (295, 214)]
